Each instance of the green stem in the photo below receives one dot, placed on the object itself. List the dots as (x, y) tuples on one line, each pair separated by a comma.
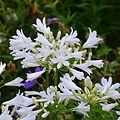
[(90, 113), (47, 78), (56, 77), (71, 114)]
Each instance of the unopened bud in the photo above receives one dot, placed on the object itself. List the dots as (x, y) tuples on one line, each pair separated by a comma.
[(88, 82)]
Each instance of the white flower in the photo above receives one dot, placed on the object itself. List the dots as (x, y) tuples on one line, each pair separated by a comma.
[(15, 82), (43, 40), (118, 113), (82, 108), (84, 67), (96, 63), (26, 113), (29, 61), (32, 76), (47, 97), (61, 58), (107, 89), (19, 100), (18, 54), (44, 52), (72, 37), (21, 42), (2, 67), (5, 115), (67, 82), (78, 55), (65, 93), (41, 26), (92, 40), (79, 75), (108, 107)]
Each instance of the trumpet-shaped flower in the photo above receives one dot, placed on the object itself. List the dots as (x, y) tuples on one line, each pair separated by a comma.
[(68, 83), (82, 108), (47, 97), (92, 40), (31, 83), (15, 82), (108, 107), (65, 93), (32, 76), (29, 61), (19, 101), (21, 42), (79, 75), (61, 59), (43, 40), (107, 89), (41, 26), (26, 113), (84, 67), (44, 52), (72, 38)]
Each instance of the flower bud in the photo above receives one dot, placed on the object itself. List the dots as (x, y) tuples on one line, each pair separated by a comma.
[(88, 82)]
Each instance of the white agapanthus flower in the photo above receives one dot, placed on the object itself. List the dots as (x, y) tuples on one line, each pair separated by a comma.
[(19, 100), (82, 108), (108, 107), (2, 67), (65, 93), (44, 52), (20, 42), (107, 89), (43, 40), (46, 97), (79, 75), (26, 113), (84, 67), (92, 40), (29, 61), (15, 82), (68, 83), (32, 76), (41, 26), (61, 59), (72, 38)]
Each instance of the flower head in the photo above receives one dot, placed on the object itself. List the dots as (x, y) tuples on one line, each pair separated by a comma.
[(92, 40)]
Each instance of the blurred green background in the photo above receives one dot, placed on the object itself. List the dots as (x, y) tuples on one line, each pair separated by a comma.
[(100, 15)]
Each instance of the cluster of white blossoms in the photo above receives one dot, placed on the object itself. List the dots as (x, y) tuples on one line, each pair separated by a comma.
[(53, 53), (66, 55)]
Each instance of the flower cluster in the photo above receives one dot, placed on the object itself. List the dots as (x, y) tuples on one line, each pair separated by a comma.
[(68, 87)]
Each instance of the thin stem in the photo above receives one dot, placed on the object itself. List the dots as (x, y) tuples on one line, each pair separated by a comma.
[(56, 77), (71, 114), (91, 112), (47, 78)]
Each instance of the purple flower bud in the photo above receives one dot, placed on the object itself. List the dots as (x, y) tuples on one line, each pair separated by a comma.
[(37, 69), (51, 20)]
